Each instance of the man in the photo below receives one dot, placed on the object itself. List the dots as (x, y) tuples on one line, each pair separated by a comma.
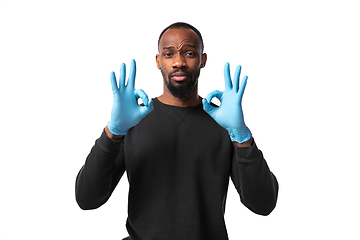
[(178, 150)]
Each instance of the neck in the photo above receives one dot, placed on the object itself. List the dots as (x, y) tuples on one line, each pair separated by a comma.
[(190, 101)]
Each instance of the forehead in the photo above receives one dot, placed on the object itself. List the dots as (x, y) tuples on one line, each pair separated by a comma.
[(177, 37)]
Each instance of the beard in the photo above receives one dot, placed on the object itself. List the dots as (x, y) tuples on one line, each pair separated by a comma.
[(182, 90)]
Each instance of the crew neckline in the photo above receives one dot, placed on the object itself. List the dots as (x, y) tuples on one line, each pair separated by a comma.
[(168, 105)]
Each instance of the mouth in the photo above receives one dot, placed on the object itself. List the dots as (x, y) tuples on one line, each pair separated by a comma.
[(179, 76)]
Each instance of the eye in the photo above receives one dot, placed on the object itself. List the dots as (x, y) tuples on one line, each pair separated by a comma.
[(190, 54), (168, 54)]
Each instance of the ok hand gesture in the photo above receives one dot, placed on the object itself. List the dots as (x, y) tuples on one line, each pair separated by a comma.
[(126, 112), (229, 114)]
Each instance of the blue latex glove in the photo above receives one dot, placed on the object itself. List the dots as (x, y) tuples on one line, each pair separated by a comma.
[(126, 112), (229, 114)]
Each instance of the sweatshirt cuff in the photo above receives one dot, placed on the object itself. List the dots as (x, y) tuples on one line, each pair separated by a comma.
[(108, 145), (247, 154)]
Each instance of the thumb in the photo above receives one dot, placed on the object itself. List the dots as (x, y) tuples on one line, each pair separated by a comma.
[(207, 107), (146, 109), (139, 93)]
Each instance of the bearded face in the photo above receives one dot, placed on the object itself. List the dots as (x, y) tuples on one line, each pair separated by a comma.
[(180, 59), (182, 88)]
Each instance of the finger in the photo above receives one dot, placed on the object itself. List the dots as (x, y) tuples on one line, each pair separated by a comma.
[(114, 86), (228, 84), (139, 93), (243, 85), (217, 94), (131, 81), (206, 106), (150, 106), (147, 109), (122, 76), (144, 110), (236, 78)]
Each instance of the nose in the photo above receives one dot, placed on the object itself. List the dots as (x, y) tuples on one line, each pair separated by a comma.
[(179, 61)]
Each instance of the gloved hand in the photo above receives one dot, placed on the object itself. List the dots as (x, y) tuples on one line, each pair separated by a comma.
[(126, 112), (229, 114)]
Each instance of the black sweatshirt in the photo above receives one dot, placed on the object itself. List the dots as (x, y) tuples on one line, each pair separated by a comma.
[(178, 162)]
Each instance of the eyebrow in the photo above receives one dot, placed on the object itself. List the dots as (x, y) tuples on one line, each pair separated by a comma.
[(185, 45)]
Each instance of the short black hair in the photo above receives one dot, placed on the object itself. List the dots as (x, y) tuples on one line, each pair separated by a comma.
[(178, 25)]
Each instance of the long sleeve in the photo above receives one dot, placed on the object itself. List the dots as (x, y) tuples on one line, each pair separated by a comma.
[(100, 174), (255, 183)]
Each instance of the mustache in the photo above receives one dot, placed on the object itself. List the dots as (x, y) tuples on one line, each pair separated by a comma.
[(178, 70)]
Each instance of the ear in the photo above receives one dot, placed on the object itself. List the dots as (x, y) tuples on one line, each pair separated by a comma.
[(158, 61), (203, 60)]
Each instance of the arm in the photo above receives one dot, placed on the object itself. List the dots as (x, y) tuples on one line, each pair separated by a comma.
[(257, 186), (111, 135), (105, 164), (245, 144), (255, 183), (101, 173)]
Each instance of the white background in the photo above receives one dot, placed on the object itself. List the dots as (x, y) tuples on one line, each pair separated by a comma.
[(301, 104)]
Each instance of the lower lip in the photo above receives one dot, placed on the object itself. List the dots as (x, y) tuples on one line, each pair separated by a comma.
[(179, 78)]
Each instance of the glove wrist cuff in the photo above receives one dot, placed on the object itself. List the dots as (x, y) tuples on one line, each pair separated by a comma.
[(115, 130), (239, 135)]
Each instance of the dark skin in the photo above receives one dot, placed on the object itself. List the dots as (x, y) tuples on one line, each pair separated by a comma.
[(180, 49), (180, 59)]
